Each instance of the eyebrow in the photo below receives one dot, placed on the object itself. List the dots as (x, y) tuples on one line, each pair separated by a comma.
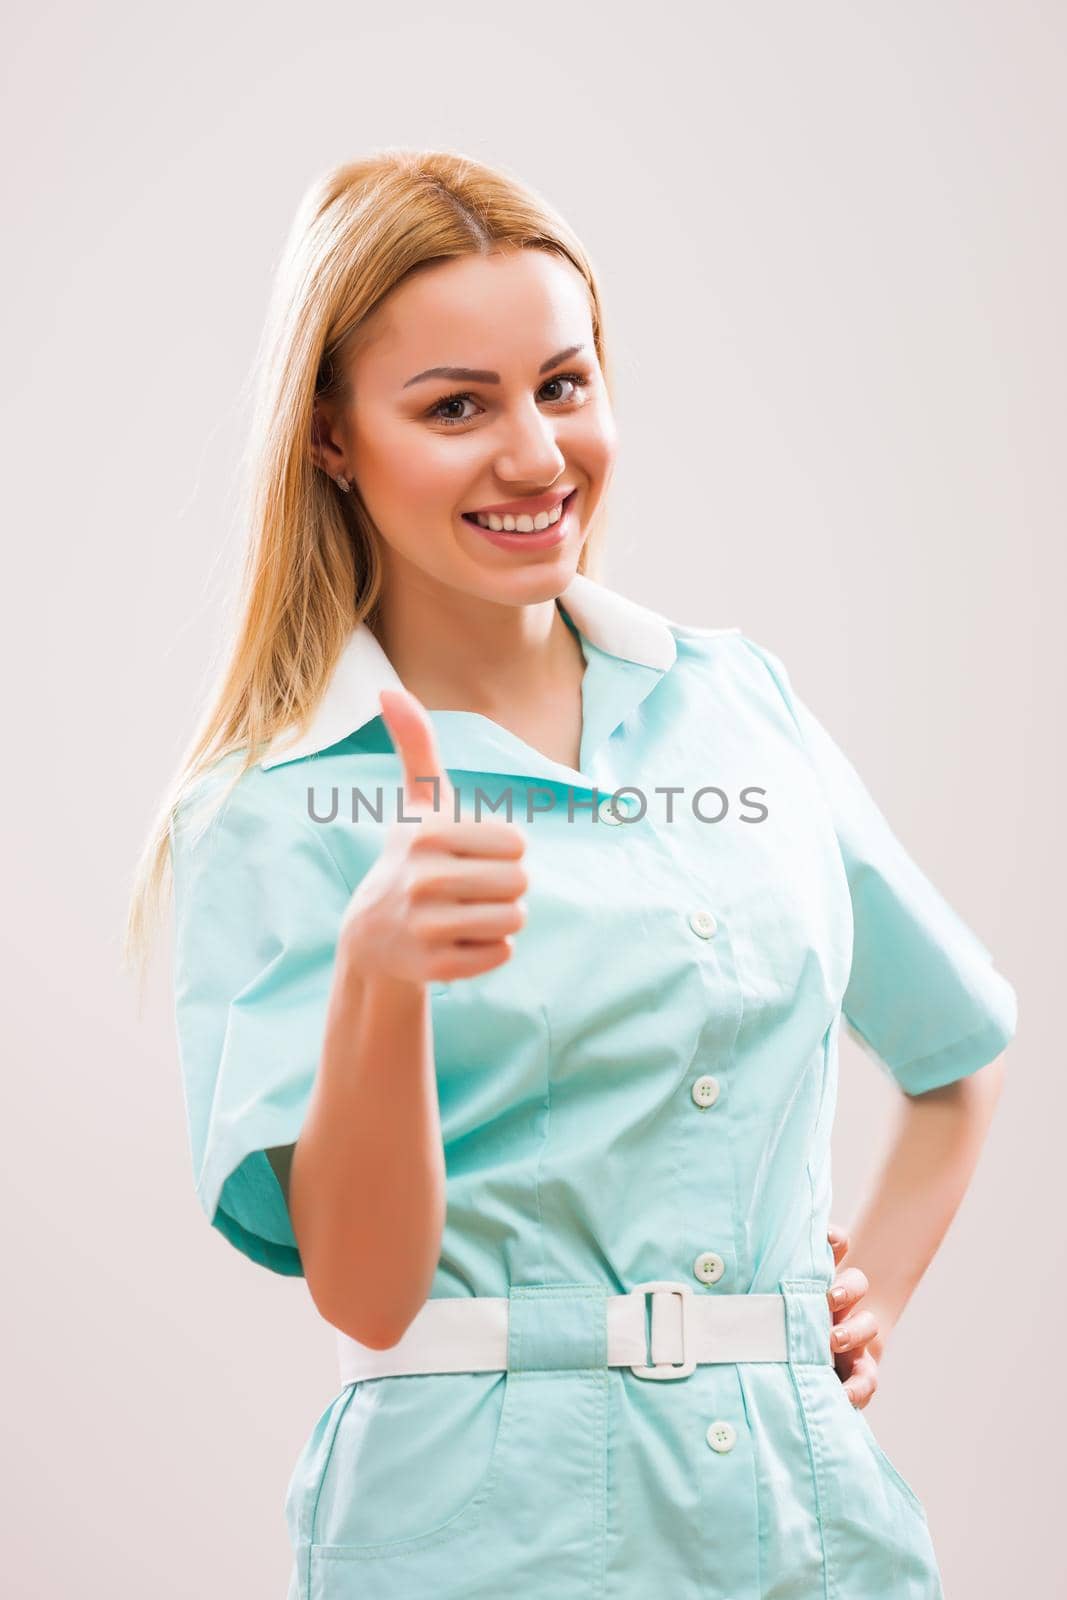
[(476, 375)]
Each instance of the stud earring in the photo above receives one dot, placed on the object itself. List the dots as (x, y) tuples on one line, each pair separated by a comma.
[(343, 483)]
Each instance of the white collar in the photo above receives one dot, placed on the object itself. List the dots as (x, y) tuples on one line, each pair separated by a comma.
[(609, 620)]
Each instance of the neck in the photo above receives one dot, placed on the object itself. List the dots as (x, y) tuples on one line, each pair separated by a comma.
[(458, 651)]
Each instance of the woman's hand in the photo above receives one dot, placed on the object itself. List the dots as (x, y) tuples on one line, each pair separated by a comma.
[(443, 899), (852, 1331)]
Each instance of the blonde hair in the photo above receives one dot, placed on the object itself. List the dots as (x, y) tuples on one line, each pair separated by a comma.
[(312, 569)]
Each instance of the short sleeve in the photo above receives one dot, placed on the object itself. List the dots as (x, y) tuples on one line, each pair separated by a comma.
[(923, 995), (258, 905)]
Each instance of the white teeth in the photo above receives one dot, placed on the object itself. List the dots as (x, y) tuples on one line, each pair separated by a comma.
[(523, 524)]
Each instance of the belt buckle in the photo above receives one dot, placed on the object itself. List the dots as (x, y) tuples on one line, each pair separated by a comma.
[(669, 1369)]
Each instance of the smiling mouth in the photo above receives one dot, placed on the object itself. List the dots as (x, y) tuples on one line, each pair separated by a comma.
[(522, 523)]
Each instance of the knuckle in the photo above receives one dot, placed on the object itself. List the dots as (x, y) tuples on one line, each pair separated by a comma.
[(427, 834), (428, 880)]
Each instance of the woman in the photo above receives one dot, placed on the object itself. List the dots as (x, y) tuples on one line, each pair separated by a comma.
[(514, 929)]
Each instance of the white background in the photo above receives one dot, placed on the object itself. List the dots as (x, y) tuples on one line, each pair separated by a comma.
[(831, 243)]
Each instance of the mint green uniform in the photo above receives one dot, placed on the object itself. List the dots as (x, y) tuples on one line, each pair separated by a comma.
[(645, 1090)]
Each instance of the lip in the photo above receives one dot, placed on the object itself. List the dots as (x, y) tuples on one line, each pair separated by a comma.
[(541, 539), (531, 507)]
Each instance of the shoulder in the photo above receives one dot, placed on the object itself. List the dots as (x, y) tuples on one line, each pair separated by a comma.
[(746, 652), (230, 809), (724, 636), (247, 854), (729, 657), (223, 789)]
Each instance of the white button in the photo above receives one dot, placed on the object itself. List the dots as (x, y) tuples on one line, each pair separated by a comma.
[(702, 922), (706, 1090), (722, 1436), (709, 1267), (615, 808)]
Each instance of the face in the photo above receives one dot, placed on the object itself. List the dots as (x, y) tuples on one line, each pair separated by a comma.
[(530, 421)]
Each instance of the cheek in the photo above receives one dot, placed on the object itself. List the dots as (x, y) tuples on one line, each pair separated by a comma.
[(594, 442), (405, 476), (590, 448)]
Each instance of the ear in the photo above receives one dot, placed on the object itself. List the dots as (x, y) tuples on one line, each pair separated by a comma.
[(327, 449)]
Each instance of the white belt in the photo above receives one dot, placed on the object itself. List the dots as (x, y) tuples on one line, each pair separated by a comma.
[(470, 1334)]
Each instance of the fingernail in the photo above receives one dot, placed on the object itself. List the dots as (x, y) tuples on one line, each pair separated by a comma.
[(837, 1296), (841, 1337)]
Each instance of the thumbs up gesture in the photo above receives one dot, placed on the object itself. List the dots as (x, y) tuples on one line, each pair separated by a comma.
[(443, 900)]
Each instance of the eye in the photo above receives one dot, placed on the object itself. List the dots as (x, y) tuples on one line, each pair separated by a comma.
[(570, 377), (436, 411)]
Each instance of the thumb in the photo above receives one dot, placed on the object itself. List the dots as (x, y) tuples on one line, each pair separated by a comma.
[(413, 738)]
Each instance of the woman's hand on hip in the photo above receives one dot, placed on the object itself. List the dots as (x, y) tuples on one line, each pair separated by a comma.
[(854, 1335)]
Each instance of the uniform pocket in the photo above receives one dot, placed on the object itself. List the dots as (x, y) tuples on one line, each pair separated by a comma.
[(874, 1529), (893, 1472), (413, 1463), (857, 1422), (464, 1486)]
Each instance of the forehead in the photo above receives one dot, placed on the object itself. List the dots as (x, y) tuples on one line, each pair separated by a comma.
[(512, 307)]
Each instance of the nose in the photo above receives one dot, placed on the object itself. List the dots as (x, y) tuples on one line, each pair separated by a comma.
[(530, 452)]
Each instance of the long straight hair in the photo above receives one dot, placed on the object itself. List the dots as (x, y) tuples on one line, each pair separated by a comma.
[(312, 568)]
